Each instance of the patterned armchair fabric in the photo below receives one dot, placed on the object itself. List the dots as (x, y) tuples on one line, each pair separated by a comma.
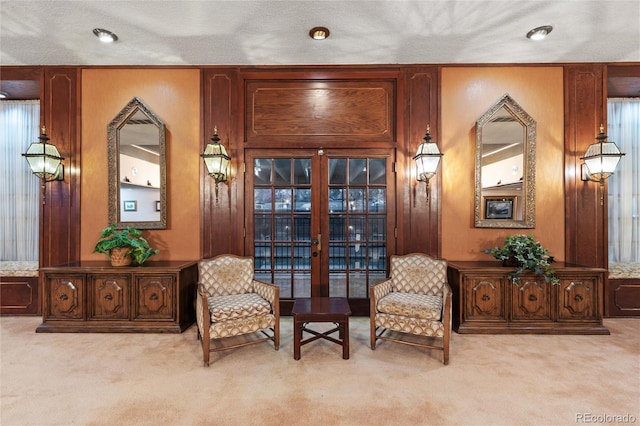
[(416, 299), (230, 302)]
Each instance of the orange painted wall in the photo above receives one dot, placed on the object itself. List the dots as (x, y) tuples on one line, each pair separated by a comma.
[(467, 92), (174, 96)]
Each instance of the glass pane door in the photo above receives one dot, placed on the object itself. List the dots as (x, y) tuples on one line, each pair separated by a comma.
[(319, 222), (283, 223), (357, 220)]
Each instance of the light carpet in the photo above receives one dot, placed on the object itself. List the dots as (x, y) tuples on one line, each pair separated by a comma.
[(159, 379)]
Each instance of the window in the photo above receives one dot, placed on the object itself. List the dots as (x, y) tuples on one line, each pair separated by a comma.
[(19, 189), (624, 185)]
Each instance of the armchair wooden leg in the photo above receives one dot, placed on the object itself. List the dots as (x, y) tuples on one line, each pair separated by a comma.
[(373, 335), (206, 346), (445, 348)]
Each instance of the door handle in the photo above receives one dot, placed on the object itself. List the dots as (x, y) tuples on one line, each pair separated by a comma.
[(317, 242)]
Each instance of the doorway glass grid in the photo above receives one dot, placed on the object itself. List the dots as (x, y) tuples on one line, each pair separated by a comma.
[(282, 224), (357, 210), (355, 215)]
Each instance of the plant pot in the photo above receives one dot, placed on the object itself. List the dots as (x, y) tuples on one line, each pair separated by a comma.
[(510, 262), (120, 256)]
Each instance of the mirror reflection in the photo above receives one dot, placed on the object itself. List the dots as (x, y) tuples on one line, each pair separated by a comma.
[(505, 167), (137, 176)]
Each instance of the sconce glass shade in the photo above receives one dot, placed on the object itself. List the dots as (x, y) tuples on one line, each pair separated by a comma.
[(216, 159), (601, 158), (427, 159), (44, 159)]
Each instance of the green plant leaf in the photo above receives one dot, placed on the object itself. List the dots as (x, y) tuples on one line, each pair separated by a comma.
[(111, 238), (529, 254)]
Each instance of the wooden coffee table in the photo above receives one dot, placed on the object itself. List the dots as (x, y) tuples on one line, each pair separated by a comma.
[(321, 309)]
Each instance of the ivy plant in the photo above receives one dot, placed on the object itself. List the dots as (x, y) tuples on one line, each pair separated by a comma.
[(525, 253)]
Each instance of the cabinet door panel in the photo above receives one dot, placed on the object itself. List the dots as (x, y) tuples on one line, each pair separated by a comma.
[(577, 299), (19, 296), (109, 296), (530, 300), (155, 297), (485, 300), (66, 297)]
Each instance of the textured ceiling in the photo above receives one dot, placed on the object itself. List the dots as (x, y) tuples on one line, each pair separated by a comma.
[(276, 32)]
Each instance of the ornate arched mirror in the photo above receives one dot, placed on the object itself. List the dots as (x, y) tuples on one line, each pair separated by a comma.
[(505, 167), (137, 168)]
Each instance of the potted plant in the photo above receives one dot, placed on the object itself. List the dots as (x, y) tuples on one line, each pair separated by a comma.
[(524, 253), (124, 245)]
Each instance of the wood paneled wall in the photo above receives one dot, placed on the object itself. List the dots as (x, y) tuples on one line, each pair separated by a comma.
[(59, 112), (585, 218), (362, 107), (61, 227), (222, 227), (419, 210), (223, 91), (293, 112)]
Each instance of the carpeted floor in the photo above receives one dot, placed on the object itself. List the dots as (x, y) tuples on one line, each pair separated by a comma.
[(158, 379)]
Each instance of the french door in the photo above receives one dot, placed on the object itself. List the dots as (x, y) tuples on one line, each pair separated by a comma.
[(320, 222)]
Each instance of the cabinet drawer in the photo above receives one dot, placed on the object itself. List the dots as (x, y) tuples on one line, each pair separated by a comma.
[(64, 297), (530, 300), (484, 299), (577, 299), (109, 297), (155, 297)]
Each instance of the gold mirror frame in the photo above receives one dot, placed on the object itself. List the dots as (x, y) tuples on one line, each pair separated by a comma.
[(525, 204), (114, 131)]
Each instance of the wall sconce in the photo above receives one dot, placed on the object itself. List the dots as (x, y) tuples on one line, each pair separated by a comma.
[(427, 160), (216, 159), (45, 161), (600, 161)]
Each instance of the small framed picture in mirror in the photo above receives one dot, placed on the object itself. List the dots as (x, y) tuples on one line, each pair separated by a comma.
[(130, 206), (498, 207), (158, 206)]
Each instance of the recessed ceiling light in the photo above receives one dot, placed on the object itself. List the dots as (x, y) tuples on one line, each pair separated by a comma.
[(540, 33), (319, 33), (3, 95), (105, 36)]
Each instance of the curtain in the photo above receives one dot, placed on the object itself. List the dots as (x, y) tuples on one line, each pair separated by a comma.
[(623, 116), (19, 188)]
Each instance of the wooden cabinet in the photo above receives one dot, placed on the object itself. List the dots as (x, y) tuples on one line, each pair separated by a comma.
[(486, 301), (93, 296)]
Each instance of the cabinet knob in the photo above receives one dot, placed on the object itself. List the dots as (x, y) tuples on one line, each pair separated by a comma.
[(63, 297), (578, 298), (153, 296), (108, 296), (532, 298), (485, 297)]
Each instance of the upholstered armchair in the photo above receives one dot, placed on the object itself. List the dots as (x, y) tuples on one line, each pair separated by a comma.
[(416, 299), (230, 302)]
